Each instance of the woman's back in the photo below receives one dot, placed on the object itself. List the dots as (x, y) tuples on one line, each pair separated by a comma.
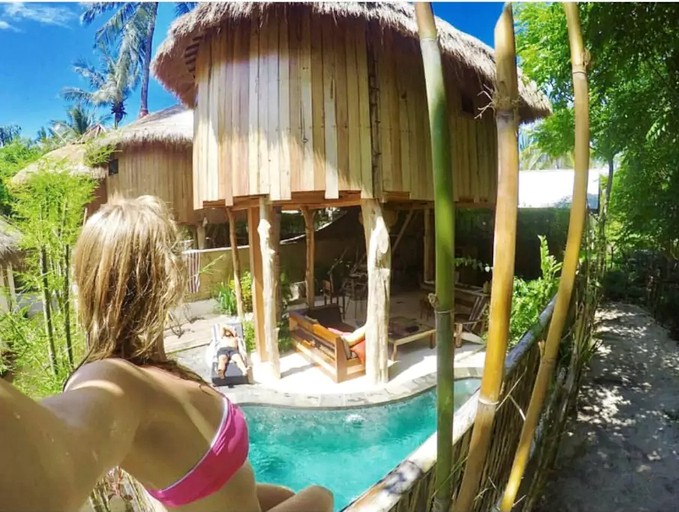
[(181, 426)]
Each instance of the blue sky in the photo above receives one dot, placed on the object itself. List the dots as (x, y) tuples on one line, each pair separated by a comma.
[(42, 40)]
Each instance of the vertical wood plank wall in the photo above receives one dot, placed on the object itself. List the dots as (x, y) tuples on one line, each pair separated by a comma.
[(157, 170), (283, 108)]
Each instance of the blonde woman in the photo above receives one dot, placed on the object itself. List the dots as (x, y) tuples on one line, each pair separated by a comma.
[(127, 404)]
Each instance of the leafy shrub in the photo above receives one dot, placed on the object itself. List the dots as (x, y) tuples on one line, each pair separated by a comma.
[(226, 296), (249, 335), (529, 298)]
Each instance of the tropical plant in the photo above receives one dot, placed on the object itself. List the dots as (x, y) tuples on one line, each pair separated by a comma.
[(8, 134), (529, 298), (226, 296), (48, 212), (110, 84), (14, 157), (131, 28), (80, 121)]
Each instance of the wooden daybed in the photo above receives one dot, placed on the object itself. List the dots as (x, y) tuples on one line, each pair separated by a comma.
[(315, 333)]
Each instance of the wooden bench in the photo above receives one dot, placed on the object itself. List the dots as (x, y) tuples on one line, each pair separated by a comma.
[(312, 337)]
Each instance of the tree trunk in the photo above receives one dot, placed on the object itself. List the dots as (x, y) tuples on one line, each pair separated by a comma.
[(47, 312), (378, 248), (269, 287), (235, 263), (507, 119), (571, 256), (148, 54), (201, 235), (310, 233)]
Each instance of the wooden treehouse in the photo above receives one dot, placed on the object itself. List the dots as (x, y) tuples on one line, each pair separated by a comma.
[(323, 105)]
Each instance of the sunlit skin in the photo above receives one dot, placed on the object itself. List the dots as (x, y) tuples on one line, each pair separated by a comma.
[(145, 414)]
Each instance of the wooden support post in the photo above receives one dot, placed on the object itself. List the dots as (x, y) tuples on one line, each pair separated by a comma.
[(276, 213), (310, 256), (269, 288), (428, 247), (201, 235), (235, 263), (378, 249), (257, 288)]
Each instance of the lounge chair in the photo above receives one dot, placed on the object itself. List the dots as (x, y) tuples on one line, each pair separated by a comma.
[(233, 375)]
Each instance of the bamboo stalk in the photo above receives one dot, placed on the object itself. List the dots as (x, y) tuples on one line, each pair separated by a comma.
[(444, 219), (235, 263), (570, 263), (507, 119)]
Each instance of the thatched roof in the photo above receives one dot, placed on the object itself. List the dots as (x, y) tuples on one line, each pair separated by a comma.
[(69, 158), (174, 63), (9, 241), (172, 126)]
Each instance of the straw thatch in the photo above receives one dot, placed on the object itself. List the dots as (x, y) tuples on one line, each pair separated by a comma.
[(172, 126), (70, 158), (9, 241), (174, 64)]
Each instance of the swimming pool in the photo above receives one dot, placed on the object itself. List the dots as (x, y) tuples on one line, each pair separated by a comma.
[(345, 450)]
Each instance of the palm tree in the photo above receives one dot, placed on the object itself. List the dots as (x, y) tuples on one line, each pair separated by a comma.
[(79, 123), (9, 133), (110, 85), (131, 27)]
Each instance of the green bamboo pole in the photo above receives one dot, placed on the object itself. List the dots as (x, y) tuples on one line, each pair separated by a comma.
[(570, 263), (507, 120), (444, 220)]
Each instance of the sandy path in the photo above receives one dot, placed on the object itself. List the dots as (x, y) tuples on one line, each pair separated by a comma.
[(621, 453)]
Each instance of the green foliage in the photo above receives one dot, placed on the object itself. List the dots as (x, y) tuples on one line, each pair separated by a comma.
[(49, 210), (284, 338), (633, 120), (465, 261), (97, 155), (226, 296), (529, 298), (249, 335), (14, 157)]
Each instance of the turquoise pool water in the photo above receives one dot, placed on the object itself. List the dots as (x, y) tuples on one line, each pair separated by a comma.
[(345, 450)]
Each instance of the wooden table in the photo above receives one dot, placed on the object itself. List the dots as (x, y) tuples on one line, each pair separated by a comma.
[(403, 330)]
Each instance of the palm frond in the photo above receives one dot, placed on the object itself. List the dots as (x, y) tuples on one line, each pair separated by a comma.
[(78, 95), (181, 8), (95, 9), (111, 31)]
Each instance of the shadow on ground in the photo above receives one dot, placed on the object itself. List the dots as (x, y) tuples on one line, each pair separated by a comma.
[(621, 452)]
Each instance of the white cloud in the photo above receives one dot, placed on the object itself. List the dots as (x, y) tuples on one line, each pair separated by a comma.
[(41, 13), (6, 26)]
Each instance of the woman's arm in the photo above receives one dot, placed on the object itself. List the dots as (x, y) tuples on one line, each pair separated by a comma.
[(53, 452)]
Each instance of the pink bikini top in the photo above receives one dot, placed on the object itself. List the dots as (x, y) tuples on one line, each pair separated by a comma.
[(227, 453)]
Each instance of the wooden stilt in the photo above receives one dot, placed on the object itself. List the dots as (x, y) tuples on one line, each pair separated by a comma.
[(276, 213), (235, 263), (428, 247), (310, 255), (378, 248), (201, 235), (268, 288), (403, 229), (257, 288)]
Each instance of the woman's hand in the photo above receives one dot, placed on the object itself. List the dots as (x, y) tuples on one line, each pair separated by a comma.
[(53, 452)]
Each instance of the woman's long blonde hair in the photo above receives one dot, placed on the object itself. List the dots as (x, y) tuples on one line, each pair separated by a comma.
[(129, 273)]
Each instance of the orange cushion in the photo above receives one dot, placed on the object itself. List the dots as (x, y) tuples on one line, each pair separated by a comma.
[(359, 350)]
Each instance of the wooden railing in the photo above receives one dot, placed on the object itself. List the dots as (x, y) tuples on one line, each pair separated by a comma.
[(410, 486)]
